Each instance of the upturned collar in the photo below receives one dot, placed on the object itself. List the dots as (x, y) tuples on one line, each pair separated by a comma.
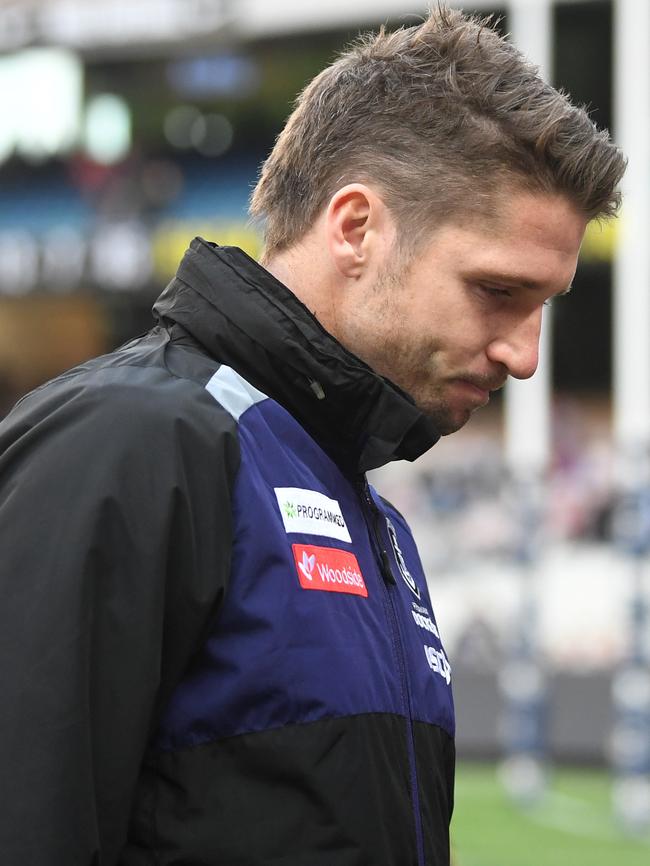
[(244, 317)]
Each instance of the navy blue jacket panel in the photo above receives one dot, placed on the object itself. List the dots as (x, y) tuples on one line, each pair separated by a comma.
[(286, 651)]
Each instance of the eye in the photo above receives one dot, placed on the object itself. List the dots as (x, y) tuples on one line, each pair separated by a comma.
[(495, 291)]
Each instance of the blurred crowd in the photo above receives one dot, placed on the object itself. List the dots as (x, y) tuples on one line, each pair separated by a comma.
[(460, 494)]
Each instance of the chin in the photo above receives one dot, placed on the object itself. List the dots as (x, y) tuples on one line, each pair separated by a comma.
[(445, 419), (446, 429), (446, 416)]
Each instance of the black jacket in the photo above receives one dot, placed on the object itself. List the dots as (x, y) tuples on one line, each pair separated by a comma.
[(217, 642)]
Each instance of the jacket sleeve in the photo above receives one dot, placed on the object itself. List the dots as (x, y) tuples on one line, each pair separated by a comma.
[(115, 541)]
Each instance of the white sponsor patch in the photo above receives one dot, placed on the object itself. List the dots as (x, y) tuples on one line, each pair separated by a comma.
[(308, 511)]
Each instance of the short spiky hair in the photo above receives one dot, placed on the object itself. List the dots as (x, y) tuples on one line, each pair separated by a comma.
[(440, 117)]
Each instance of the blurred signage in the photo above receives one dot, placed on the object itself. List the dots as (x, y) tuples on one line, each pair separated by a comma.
[(82, 24), (171, 240)]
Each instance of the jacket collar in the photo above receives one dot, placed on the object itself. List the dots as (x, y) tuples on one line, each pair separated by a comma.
[(247, 319)]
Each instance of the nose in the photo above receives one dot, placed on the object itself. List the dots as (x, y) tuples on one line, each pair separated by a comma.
[(517, 347)]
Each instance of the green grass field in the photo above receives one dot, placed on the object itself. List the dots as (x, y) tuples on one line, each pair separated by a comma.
[(573, 826)]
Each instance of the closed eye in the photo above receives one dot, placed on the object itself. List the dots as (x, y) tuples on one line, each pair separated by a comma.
[(495, 291), (500, 293)]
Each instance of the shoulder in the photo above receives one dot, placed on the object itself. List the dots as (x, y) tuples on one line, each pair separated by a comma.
[(120, 411), (121, 394)]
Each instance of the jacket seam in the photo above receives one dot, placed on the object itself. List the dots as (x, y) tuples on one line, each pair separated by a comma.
[(280, 727)]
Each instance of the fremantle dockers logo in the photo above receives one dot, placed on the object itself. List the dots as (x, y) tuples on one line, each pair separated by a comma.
[(401, 563)]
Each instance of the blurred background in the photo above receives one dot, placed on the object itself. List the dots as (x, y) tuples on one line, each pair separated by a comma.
[(130, 126)]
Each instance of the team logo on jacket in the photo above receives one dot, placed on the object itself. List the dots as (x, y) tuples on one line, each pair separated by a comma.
[(328, 569), (312, 513), (401, 562)]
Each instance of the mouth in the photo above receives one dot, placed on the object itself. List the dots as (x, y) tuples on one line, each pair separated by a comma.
[(478, 395)]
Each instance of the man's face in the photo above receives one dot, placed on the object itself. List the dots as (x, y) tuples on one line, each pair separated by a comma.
[(465, 313)]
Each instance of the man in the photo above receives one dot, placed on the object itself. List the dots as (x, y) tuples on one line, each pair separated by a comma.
[(218, 644)]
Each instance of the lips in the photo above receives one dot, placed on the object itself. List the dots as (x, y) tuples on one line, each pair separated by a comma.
[(486, 384), (481, 394)]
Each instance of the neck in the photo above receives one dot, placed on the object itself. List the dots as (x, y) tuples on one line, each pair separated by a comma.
[(306, 272)]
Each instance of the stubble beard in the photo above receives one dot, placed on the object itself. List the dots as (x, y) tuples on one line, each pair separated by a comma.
[(413, 369), (436, 407), (418, 373)]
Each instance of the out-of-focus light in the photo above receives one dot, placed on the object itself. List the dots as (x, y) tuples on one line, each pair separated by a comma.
[(212, 134), (631, 799), (120, 256), (18, 263), (628, 746), (228, 75), (63, 258), (8, 108), (107, 133), (631, 689), (178, 125), (40, 102), (522, 681), (524, 778)]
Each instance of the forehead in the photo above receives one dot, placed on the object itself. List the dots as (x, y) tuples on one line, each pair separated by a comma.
[(532, 240), (542, 218)]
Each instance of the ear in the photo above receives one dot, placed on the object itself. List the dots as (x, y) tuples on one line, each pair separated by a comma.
[(358, 228)]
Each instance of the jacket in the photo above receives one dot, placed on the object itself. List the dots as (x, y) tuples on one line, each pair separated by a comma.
[(218, 647)]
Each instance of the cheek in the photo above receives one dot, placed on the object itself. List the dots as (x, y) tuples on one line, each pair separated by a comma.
[(469, 330)]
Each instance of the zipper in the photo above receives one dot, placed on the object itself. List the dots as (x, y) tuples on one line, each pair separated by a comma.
[(374, 518), (371, 511)]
